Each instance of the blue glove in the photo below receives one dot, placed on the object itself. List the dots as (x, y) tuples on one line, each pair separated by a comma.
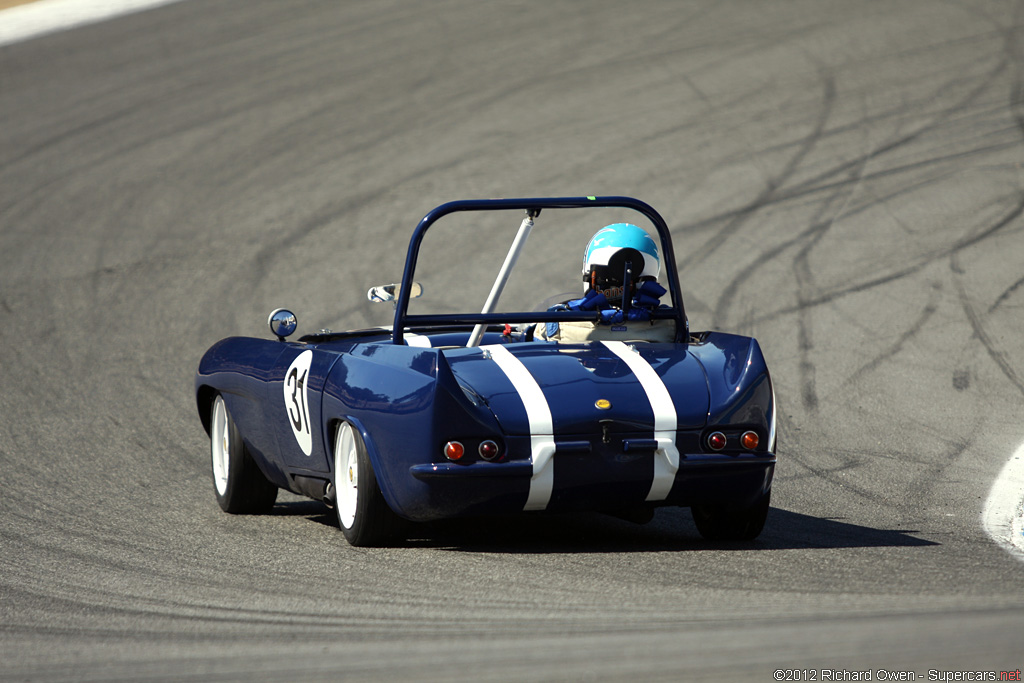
[(591, 301)]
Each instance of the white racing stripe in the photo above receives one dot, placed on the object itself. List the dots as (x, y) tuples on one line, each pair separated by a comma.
[(666, 457), (542, 443), (422, 341), (49, 16)]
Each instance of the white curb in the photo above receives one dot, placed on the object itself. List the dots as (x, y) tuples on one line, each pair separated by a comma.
[(1003, 517), (22, 22)]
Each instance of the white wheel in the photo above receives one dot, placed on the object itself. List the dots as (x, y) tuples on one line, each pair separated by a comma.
[(237, 481), (363, 514), (220, 446), (346, 468)]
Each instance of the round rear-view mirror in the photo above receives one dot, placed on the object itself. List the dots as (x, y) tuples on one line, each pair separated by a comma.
[(282, 323)]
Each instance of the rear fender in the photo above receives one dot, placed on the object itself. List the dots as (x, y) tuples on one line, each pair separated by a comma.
[(739, 383)]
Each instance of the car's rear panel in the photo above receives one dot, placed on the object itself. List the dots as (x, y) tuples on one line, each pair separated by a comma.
[(585, 427)]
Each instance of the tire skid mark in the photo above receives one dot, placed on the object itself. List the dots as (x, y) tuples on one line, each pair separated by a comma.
[(929, 310), (922, 263), (816, 183), (806, 300), (1007, 293), (849, 460), (801, 262), (84, 130), (805, 286), (834, 474), (867, 122), (927, 126), (730, 292), (921, 486), (811, 235), (773, 183), (92, 595), (251, 625), (42, 193), (111, 124), (668, 132), (811, 189), (1013, 53), (113, 603), (999, 357), (277, 249)]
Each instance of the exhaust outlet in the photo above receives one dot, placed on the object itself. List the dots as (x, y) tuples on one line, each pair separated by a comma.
[(330, 496)]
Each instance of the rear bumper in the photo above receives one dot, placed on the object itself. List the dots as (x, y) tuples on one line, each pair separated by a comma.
[(581, 483)]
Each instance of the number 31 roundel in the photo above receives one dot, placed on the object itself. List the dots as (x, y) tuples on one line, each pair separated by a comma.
[(296, 402)]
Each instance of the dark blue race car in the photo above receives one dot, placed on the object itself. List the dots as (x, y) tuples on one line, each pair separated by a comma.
[(604, 402)]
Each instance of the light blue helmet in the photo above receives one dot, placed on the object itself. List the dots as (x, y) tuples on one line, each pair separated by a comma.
[(611, 248)]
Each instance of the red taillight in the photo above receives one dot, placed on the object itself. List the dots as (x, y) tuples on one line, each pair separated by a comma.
[(488, 450), (716, 441), (453, 450), (750, 440)]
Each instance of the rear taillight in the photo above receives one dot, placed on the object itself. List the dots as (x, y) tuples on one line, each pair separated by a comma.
[(453, 450), (749, 440), (488, 450), (716, 441)]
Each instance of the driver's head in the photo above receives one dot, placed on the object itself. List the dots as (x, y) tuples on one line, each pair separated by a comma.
[(608, 252)]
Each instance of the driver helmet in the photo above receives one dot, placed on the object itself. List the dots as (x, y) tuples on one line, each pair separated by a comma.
[(604, 262)]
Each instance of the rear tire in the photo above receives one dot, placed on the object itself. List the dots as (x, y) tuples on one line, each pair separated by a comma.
[(238, 483), (363, 514), (722, 523)]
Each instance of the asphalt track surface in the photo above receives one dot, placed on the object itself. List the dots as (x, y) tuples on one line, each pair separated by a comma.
[(843, 180)]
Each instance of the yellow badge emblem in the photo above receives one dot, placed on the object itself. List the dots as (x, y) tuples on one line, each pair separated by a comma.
[(603, 403)]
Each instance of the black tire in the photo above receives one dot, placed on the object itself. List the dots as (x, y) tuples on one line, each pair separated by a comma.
[(363, 514), (722, 523), (239, 485)]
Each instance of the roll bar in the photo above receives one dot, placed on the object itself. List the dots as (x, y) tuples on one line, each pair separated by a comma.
[(533, 207)]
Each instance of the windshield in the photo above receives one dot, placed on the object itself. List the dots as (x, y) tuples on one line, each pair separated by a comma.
[(462, 254)]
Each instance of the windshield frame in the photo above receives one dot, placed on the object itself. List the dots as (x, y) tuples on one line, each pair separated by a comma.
[(404, 320)]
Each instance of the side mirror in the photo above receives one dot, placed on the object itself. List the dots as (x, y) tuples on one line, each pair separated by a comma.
[(282, 323), (383, 293)]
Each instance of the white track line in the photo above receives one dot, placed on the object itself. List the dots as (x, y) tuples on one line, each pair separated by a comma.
[(1003, 517), (23, 22)]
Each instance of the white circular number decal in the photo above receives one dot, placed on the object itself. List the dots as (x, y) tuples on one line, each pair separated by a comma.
[(296, 401)]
